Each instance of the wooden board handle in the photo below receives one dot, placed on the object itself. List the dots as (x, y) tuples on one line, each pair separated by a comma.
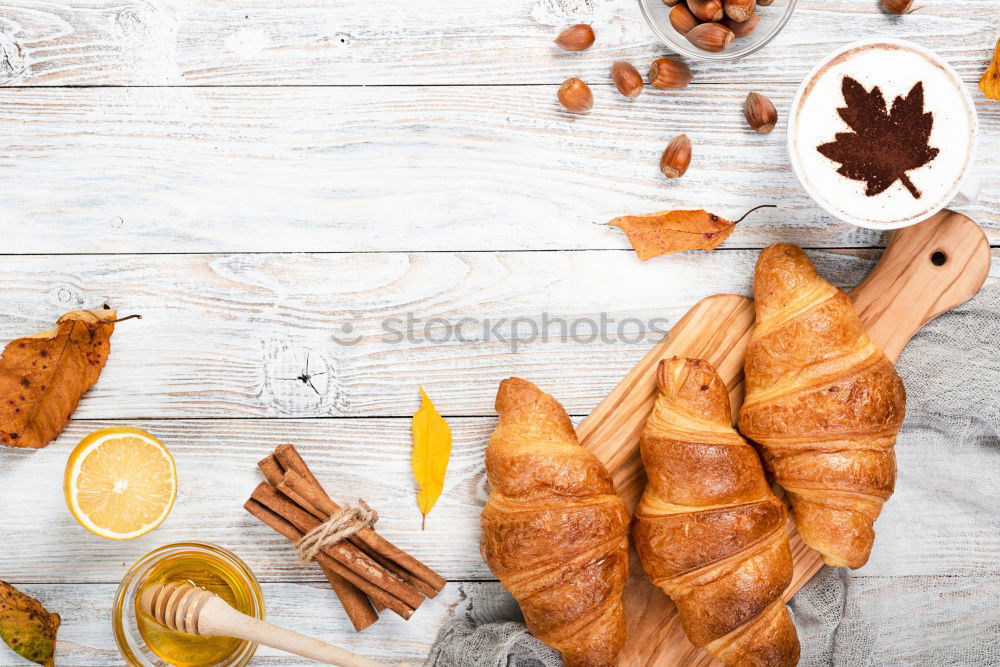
[(926, 270)]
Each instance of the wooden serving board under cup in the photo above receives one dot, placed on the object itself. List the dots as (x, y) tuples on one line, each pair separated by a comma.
[(926, 269)]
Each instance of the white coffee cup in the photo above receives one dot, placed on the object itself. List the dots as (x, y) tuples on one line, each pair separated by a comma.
[(894, 66)]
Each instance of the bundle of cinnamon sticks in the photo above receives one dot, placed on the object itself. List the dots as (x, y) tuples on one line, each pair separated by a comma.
[(367, 572)]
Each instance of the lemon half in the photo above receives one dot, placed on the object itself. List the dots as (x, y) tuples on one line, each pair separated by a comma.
[(120, 483)]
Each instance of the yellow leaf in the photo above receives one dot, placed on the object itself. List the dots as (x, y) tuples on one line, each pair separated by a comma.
[(990, 83), (431, 451)]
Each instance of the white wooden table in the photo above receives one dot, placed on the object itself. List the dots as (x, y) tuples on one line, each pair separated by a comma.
[(259, 178)]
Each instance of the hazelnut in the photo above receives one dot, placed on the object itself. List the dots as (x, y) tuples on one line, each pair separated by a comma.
[(627, 79), (706, 10), (669, 74), (676, 157), (577, 37), (765, 3), (711, 37), (740, 10), (897, 6), (575, 95), (760, 112), (670, 3), (682, 19), (742, 28)]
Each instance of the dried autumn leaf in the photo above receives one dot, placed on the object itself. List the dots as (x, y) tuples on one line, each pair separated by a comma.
[(431, 451), (670, 232), (990, 83), (885, 144), (42, 377), (26, 626)]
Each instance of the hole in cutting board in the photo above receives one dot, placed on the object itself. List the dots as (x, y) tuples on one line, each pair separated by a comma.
[(938, 258)]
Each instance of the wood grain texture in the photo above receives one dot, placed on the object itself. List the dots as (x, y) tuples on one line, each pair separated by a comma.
[(355, 42), (86, 640), (927, 269), (216, 461), (234, 335), (155, 170)]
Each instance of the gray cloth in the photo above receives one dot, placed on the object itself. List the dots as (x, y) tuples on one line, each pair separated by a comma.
[(460, 643), (930, 594)]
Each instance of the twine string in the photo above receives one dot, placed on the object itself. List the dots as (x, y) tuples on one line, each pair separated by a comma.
[(342, 524)]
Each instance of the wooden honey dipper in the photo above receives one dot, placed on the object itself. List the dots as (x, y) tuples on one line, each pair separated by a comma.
[(185, 608)]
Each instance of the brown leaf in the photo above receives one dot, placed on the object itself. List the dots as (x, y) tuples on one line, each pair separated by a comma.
[(885, 144), (26, 626), (990, 82), (668, 232), (43, 377)]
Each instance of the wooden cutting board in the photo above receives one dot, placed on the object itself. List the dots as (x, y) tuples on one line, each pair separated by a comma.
[(926, 270)]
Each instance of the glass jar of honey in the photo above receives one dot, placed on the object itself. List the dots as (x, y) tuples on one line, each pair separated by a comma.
[(145, 643)]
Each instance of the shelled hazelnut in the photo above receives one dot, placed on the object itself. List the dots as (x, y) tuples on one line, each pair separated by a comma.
[(575, 95), (742, 28), (676, 157), (627, 79), (682, 19), (712, 25), (760, 113), (706, 10), (577, 37), (897, 6), (669, 74), (712, 37)]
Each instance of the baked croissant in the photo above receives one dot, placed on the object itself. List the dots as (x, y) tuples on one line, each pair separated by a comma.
[(825, 404), (554, 532), (708, 529)]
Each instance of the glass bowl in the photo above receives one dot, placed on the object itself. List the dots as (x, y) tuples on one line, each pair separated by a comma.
[(222, 562), (772, 19)]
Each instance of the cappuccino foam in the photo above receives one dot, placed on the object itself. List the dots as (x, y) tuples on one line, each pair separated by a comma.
[(895, 69)]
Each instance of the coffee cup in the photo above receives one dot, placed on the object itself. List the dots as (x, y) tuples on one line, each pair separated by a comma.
[(882, 133)]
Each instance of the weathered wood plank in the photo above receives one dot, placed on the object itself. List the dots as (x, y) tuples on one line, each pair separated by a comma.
[(432, 168), (216, 466), (236, 335), (370, 458), (356, 42), (86, 639)]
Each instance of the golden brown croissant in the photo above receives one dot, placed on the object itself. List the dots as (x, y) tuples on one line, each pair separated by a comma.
[(708, 529), (825, 404), (554, 532)]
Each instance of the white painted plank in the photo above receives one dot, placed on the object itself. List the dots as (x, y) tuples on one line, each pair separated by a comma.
[(216, 467), (357, 42), (86, 639), (386, 168), (370, 458), (229, 335)]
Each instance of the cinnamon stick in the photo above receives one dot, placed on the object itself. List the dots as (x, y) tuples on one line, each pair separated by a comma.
[(274, 473), (283, 527), (355, 602), (345, 553), (394, 559), (300, 481)]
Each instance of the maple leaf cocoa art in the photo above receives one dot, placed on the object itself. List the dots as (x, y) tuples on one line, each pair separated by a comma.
[(884, 144), (42, 377)]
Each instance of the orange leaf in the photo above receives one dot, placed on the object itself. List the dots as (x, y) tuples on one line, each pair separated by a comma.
[(990, 83), (668, 232), (42, 377)]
